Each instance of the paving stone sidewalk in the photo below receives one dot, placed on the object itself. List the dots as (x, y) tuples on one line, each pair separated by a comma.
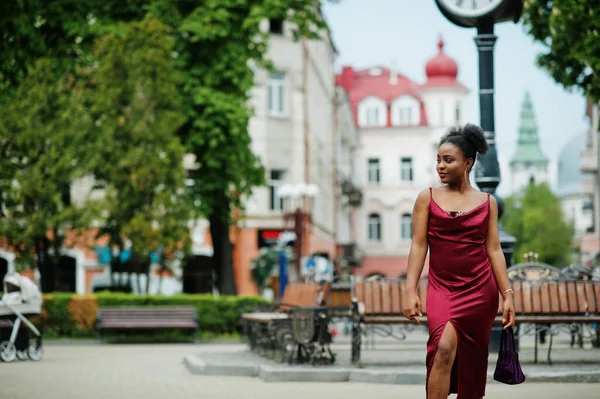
[(388, 361), (90, 371)]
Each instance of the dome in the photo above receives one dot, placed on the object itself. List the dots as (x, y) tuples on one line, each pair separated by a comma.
[(441, 66)]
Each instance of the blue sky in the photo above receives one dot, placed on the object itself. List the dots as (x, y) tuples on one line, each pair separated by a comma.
[(404, 33)]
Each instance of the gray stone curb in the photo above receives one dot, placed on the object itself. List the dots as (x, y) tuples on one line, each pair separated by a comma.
[(401, 375)]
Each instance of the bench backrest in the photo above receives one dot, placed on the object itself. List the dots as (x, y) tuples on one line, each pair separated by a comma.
[(304, 295), (148, 313), (556, 297), (384, 297)]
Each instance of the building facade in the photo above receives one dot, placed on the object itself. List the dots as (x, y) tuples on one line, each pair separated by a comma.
[(589, 162), (528, 164), (574, 189), (400, 124)]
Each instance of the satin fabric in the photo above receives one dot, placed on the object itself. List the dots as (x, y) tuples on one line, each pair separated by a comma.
[(462, 290)]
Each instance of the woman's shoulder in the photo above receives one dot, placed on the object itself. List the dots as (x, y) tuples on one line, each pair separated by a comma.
[(424, 195)]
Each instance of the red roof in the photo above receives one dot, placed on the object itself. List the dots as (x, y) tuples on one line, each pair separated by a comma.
[(365, 85), (388, 85), (378, 82)]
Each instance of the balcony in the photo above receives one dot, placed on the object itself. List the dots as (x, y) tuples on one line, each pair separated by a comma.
[(589, 161)]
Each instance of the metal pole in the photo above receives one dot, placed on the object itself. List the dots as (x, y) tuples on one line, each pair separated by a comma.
[(298, 229), (487, 171)]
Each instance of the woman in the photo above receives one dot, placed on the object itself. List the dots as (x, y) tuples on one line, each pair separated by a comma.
[(459, 226)]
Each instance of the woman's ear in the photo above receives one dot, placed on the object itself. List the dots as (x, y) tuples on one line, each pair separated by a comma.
[(469, 164)]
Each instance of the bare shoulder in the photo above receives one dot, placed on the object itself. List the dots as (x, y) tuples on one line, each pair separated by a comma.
[(423, 198), (493, 200)]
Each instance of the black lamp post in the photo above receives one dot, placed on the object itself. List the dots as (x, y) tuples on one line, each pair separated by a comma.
[(483, 15), (487, 171)]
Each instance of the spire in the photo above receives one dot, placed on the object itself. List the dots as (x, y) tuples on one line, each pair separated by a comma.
[(528, 142)]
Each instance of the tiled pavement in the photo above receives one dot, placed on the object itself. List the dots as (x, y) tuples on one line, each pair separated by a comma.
[(91, 371)]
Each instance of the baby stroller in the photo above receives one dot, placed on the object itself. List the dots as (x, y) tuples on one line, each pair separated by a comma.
[(21, 298)]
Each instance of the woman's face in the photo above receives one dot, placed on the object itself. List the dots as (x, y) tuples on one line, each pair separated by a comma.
[(452, 166)]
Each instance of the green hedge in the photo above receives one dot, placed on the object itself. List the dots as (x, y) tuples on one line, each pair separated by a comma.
[(74, 316)]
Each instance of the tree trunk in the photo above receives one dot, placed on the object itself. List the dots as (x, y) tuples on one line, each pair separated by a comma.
[(46, 265), (147, 266), (222, 248)]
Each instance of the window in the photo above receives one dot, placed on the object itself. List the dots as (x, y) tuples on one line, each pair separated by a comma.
[(374, 227), (276, 93), (275, 201), (405, 116), (373, 171), (457, 112), (406, 226), (406, 170), (276, 26), (372, 116)]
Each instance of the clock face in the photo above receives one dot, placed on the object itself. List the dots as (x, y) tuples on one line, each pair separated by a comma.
[(470, 8)]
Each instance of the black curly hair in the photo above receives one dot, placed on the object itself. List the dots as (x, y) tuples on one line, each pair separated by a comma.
[(469, 139)]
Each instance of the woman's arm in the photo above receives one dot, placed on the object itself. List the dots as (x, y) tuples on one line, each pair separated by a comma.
[(494, 251), (418, 251)]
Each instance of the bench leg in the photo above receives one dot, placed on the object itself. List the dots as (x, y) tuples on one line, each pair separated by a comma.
[(356, 342), (535, 344), (550, 347), (99, 337), (197, 335)]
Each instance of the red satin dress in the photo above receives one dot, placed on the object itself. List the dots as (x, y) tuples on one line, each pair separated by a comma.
[(461, 290)]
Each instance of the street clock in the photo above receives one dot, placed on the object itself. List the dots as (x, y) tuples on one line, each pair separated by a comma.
[(471, 13)]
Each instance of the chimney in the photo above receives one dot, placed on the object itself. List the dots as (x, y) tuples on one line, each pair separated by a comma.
[(347, 80), (393, 77)]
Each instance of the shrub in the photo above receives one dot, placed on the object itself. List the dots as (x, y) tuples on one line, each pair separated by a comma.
[(74, 316)]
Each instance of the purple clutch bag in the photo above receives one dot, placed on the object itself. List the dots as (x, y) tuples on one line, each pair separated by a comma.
[(508, 368)]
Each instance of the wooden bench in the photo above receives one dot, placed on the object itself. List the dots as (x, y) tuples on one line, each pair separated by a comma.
[(537, 302), (130, 318)]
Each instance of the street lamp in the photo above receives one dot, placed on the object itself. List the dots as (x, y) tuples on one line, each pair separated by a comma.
[(296, 211), (483, 16)]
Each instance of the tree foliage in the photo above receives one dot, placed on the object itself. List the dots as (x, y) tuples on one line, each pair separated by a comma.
[(44, 146), (570, 33), (217, 44), (137, 108), (537, 222)]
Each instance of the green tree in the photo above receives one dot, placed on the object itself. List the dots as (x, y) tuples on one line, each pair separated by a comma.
[(43, 148), (569, 31), (537, 222), (218, 43), (136, 103)]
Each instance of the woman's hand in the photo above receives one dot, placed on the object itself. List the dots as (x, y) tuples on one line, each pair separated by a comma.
[(412, 307), (508, 312)]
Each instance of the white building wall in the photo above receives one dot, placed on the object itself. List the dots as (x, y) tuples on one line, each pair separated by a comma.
[(574, 212), (400, 114), (441, 107), (279, 140), (372, 111), (392, 197)]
